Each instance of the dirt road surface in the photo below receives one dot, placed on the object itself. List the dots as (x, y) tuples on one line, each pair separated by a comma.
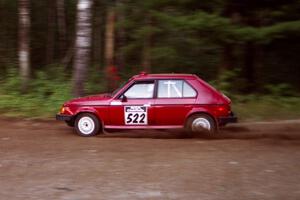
[(46, 160)]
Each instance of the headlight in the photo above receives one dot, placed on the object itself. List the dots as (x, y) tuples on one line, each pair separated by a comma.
[(63, 109)]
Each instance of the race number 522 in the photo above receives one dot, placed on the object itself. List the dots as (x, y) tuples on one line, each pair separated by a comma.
[(135, 115)]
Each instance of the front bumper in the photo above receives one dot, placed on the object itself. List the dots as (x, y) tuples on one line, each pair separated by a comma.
[(62, 117), (229, 119)]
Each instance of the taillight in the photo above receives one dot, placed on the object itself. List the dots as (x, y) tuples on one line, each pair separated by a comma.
[(222, 110)]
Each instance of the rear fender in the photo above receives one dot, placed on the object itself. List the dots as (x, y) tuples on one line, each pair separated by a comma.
[(200, 110)]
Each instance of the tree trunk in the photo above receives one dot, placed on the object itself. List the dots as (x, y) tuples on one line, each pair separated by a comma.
[(66, 61), (62, 30), (146, 63), (97, 33), (228, 58), (227, 61), (110, 37), (146, 57), (250, 66), (82, 46), (50, 32), (110, 70), (250, 53), (24, 39), (121, 40)]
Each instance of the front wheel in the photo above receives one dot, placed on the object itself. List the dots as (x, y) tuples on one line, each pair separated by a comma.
[(87, 124), (201, 123)]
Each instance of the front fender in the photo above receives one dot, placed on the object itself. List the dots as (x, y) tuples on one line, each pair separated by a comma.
[(86, 109), (92, 110)]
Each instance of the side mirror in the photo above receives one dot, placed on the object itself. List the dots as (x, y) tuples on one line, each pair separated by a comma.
[(124, 98)]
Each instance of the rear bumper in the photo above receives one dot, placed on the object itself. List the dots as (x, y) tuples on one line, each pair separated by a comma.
[(229, 119), (61, 117)]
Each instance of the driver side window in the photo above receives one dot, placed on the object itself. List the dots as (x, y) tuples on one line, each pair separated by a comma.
[(140, 90)]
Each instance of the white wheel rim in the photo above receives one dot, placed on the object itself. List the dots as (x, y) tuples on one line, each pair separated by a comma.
[(201, 124), (86, 125)]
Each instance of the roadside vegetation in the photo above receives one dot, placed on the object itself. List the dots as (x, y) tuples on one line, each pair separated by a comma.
[(50, 89), (269, 102)]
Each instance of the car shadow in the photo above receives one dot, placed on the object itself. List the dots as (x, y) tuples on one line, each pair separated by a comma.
[(153, 134), (236, 132)]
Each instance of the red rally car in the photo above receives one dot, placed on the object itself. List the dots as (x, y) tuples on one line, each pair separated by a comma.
[(151, 101)]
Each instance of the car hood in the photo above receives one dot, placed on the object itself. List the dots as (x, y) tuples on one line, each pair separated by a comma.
[(100, 99)]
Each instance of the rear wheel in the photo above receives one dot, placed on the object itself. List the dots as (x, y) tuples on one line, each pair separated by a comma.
[(87, 124), (201, 123)]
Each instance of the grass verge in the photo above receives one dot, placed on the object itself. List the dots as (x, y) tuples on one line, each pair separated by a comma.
[(247, 108)]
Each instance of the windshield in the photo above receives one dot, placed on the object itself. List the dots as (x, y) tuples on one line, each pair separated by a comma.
[(119, 88)]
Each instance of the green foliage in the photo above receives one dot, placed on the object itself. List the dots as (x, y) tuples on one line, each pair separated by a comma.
[(44, 99), (230, 82), (279, 101), (220, 29), (189, 36), (282, 89), (11, 83), (267, 107), (50, 90)]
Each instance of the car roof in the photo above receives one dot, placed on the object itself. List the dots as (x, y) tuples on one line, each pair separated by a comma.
[(143, 76)]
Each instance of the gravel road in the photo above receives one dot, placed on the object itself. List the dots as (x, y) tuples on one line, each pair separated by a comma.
[(46, 160)]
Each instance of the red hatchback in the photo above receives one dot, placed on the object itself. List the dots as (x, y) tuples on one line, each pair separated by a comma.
[(151, 101)]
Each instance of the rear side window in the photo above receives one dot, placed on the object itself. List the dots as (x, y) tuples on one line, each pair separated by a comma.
[(188, 91), (175, 89)]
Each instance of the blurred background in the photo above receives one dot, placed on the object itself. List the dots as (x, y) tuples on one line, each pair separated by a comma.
[(53, 50)]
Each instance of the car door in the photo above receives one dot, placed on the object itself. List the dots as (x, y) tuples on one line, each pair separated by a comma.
[(175, 98), (133, 107)]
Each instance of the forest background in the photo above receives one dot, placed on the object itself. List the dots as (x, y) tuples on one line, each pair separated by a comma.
[(53, 50)]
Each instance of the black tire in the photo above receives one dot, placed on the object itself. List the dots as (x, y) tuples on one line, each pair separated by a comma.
[(87, 124), (202, 118)]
